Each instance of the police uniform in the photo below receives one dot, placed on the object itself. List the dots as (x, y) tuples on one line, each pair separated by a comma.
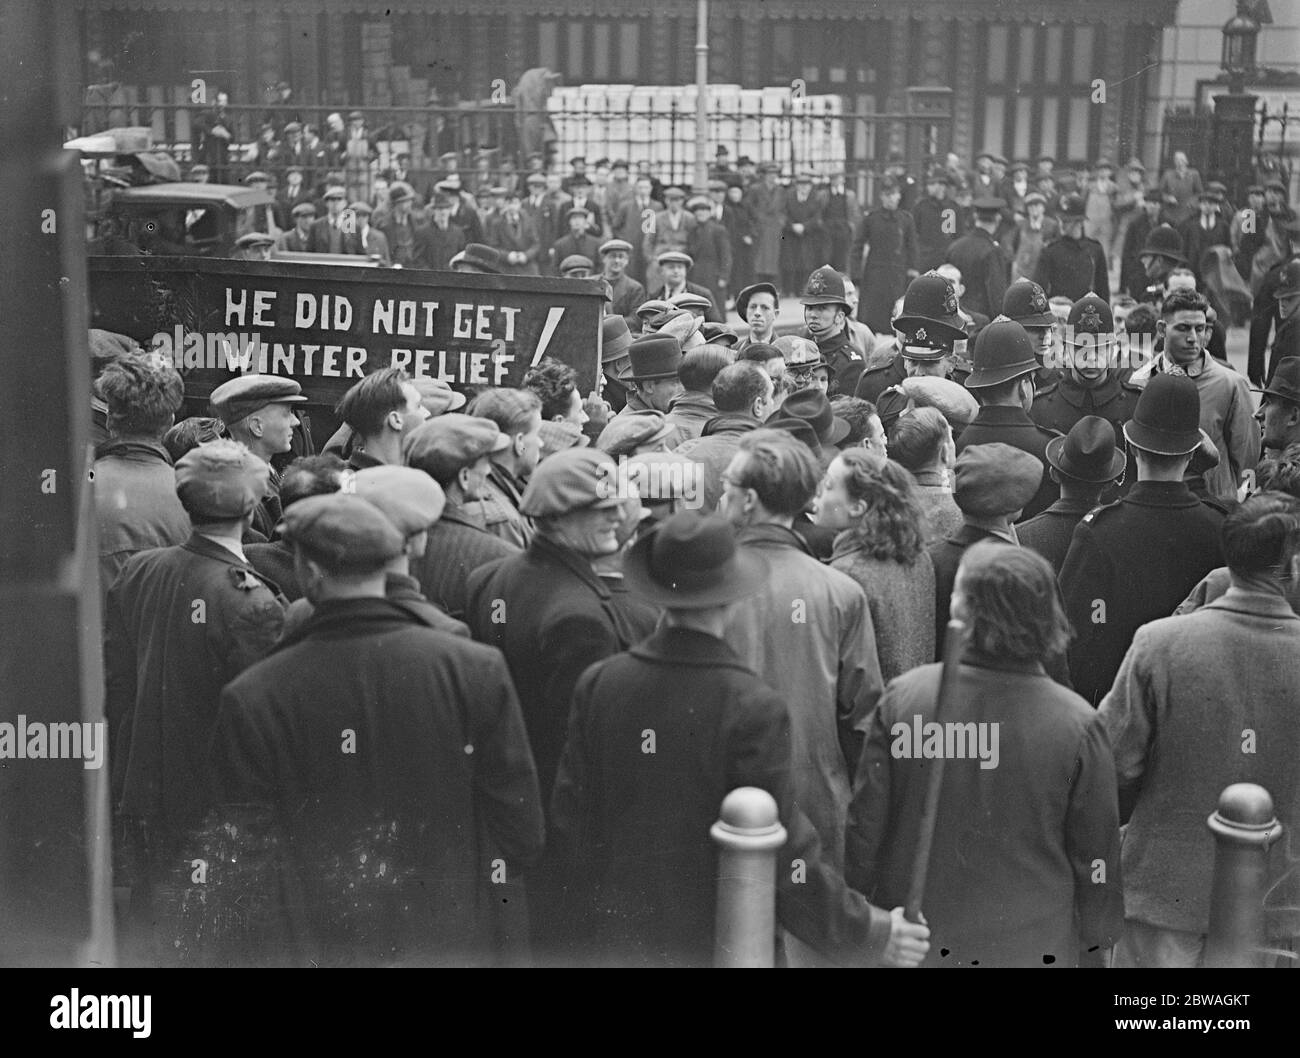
[(1004, 351), (1263, 315), (928, 328), (984, 267)]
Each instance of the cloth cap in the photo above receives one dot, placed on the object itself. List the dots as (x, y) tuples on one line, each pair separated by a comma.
[(675, 257), (572, 480), (408, 498), (576, 261), (625, 433), (993, 480), (304, 209), (238, 398), (611, 245), (345, 533), (221, 480), (557, 436), (742, 299), (952, 399), (443, 445), (437, 397)]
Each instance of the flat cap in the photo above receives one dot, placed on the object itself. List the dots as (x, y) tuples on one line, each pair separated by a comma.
[(360, 207), (304, 209), (625, 433), (951, 399), (612, 245), (993, 480), (240, 397), (652, 308), (441, 446), (557, 436), (675, 257), (572, 480), (256, 175), (688, 299), (574, 261), (343, 532), (221, 480), (437, 397), (255, 238), (408, 498)]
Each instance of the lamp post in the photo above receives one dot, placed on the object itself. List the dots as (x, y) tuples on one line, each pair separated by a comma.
[(1234, 113), (701, 96)]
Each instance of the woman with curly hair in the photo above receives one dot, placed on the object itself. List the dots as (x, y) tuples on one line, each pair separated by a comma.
[(874, 508)]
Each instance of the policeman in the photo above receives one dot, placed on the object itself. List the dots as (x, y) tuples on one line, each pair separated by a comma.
[(928, 330), (1073, 264), (257, 411), (1264, 312), (1092, 380), (1026, 303), (1003, 383), (984, 265), (826, 319)]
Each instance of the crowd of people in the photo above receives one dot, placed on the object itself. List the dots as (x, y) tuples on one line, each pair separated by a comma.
[(470, 685)]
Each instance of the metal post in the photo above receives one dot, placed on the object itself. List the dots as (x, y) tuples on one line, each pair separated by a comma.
[(1244, 827), (701, 96), (748, 833)]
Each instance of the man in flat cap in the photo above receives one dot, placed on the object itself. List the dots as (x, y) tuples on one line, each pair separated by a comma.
[(615, 256), (298, 237), (258, 412), (984, 265), (327, 232), (1134, 561), (391, 757), (992, 484), (652, 903), (456, 452), (673, 267), (181, 622), (670, 231), (517, 414), (578, 241), (414, 503), (1003, 383), (363, 239), (254, 246)]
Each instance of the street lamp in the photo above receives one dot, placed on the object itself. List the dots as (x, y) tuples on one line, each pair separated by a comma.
[(1240, 37)]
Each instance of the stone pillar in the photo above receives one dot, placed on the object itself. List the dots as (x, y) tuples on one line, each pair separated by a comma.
[(961, 77), (895, 102), (376, 60)]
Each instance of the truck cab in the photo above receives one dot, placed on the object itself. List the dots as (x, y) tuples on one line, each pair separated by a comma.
[(186, 220)]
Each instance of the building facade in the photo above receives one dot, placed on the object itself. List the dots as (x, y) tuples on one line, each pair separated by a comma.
[(1027, 77)]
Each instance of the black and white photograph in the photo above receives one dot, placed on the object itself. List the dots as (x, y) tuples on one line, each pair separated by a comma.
[(580, 484)]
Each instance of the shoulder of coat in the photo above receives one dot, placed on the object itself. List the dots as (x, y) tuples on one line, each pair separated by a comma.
[(1097, 512)]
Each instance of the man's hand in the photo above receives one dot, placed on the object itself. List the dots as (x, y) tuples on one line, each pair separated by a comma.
[(597, 409), (909, 942)]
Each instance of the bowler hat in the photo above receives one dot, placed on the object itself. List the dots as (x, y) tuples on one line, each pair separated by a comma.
[(995, 480), (1285, 382), (654, 356), (1087, 452), (615, 339), (690, 561), (343, 532), (221, 480), (1167, 418), (742, 299), (1003, 351), (1026, 303), (1288, 280), (812, 406), (1164, 241), (825, 286), (575, 479), (930, 304), (400, 191)]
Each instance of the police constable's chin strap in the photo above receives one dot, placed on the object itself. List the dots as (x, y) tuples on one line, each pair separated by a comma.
[(953, 644)]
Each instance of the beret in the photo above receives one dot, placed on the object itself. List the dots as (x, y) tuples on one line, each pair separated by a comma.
[(345, 533), (442, 445), (625, 433), (995, 479), (240, 397), (572, 480), (221, 480), (409, 498)]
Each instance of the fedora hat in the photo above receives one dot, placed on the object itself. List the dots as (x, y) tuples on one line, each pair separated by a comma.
[(1285, 382), (1087, 452), (652, 357), (1164, 241), (812, 406), (615, 339), (690, 561), (1003, 351), (1167, 418)]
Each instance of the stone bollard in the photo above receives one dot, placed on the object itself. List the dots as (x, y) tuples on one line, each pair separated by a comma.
[(748, 833), (1244, 827)]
